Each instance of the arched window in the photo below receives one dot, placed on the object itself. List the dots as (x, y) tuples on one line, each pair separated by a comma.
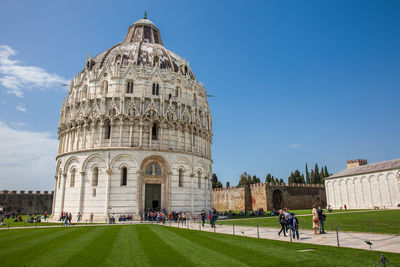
[(154, 132), (107, 134), (59, 180), (72, 182), (186, 69), (177, 92), (156, 89), (94, 192), (104, 87), (95, 177), (124, 176), (129, 87), (199, 179), (180, 177), (153, 169), (155, 61)]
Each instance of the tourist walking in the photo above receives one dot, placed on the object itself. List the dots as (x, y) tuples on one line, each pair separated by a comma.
[(281, 220), (287, 215), (203, 217), (315, 220), (183, 218), (294, 225), (321, 218)]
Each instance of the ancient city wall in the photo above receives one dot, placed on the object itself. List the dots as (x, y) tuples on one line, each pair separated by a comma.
[(26, 202), (269, 196), (295, 196), (232, 198)]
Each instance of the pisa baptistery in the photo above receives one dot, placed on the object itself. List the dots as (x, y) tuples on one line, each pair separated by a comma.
[(135, 133)]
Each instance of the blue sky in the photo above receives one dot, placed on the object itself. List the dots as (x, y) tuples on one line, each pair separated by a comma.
[(295, 81)]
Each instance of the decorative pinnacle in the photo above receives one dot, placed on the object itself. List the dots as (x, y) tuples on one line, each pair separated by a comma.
[(145, 15)]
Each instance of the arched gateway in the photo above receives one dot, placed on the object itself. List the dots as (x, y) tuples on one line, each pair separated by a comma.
[(135, 133)]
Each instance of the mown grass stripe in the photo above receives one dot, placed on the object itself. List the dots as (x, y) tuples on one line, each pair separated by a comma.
[(8, 236), (21, 245), (195, 251), (230, 246), (127, 250), (64, 250), (97, 252), (158, 252)]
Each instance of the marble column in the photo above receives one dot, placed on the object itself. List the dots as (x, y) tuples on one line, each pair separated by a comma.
[(191, 193), (81, 190), (63, 192), (108, 189)]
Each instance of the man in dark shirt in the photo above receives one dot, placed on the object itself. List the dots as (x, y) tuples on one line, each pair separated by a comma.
[(321, 217)]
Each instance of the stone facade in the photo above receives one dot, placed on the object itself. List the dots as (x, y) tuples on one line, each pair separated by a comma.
[(26, 202), (365, 186), (135, 131), (269, 196)]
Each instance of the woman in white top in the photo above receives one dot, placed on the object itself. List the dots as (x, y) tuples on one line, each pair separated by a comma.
[(315, 220)]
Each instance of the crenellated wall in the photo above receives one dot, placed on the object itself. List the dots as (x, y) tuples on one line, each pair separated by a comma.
[(269, 196), (26, 202)]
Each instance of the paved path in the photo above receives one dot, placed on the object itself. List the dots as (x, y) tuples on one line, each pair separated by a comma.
[(381, 242)]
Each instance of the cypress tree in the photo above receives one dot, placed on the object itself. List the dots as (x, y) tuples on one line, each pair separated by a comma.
[(317, 179), (307, 175), (326, 171)]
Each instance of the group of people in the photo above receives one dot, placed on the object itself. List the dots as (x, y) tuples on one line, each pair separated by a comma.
[(212, 216), (319, 218), (258, 212), (157, 215), (288, 222), (15, 217)]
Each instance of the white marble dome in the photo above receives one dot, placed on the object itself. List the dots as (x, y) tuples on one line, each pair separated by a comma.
[(135, 133)]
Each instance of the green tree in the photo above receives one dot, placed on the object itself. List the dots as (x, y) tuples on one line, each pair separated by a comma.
[(268, 178), (218, 184), (244, 179), (302, 179), (326, 171), (215, 182), (256, 180), (307, 175), (281, 181)]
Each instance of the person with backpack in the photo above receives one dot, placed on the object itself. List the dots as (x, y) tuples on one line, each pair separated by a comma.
[(281, 220), (294, 225), (321, 218)]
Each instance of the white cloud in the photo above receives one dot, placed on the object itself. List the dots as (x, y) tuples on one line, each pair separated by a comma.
[(18, 78), (294, 145), (27, 159), (17, 124), (21, 108)]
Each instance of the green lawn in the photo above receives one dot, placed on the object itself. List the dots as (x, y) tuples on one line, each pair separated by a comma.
[(385, 221), (153, 245), (10, 223)]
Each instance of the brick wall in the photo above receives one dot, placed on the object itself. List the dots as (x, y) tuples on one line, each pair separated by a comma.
[(26, 203), (269, 196)]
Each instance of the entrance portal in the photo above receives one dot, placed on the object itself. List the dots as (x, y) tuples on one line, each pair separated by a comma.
[(277, 199), (152, 196)]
